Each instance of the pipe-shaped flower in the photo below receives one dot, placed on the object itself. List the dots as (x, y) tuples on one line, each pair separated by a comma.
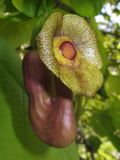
[(52, 119), (68, 47)]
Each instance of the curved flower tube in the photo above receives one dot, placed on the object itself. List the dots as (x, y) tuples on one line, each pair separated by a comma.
[(52, 119)]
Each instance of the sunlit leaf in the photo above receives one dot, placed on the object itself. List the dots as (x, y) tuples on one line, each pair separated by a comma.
[(112, 85), (87, 8)]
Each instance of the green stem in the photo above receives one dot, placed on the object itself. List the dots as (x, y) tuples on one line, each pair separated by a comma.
[(52, 85), (77, 106)]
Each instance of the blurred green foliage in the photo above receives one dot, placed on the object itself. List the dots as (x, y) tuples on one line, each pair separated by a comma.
[(86, 8), (98, 117)]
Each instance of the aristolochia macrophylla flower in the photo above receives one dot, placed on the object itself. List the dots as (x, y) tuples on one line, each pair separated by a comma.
[(68, 47)]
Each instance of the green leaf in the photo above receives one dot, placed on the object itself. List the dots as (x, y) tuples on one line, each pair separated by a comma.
[(17, 140), (7, 9), (112, 85), (103, 125), (28, 7), (7, 6), (106, 122), (32, 8), (16, 33), (87, 8), (114, 111)]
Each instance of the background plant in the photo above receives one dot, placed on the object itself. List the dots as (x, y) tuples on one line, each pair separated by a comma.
[(98, 118)]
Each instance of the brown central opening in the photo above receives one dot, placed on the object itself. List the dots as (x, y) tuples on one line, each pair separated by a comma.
[(68, 50)]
